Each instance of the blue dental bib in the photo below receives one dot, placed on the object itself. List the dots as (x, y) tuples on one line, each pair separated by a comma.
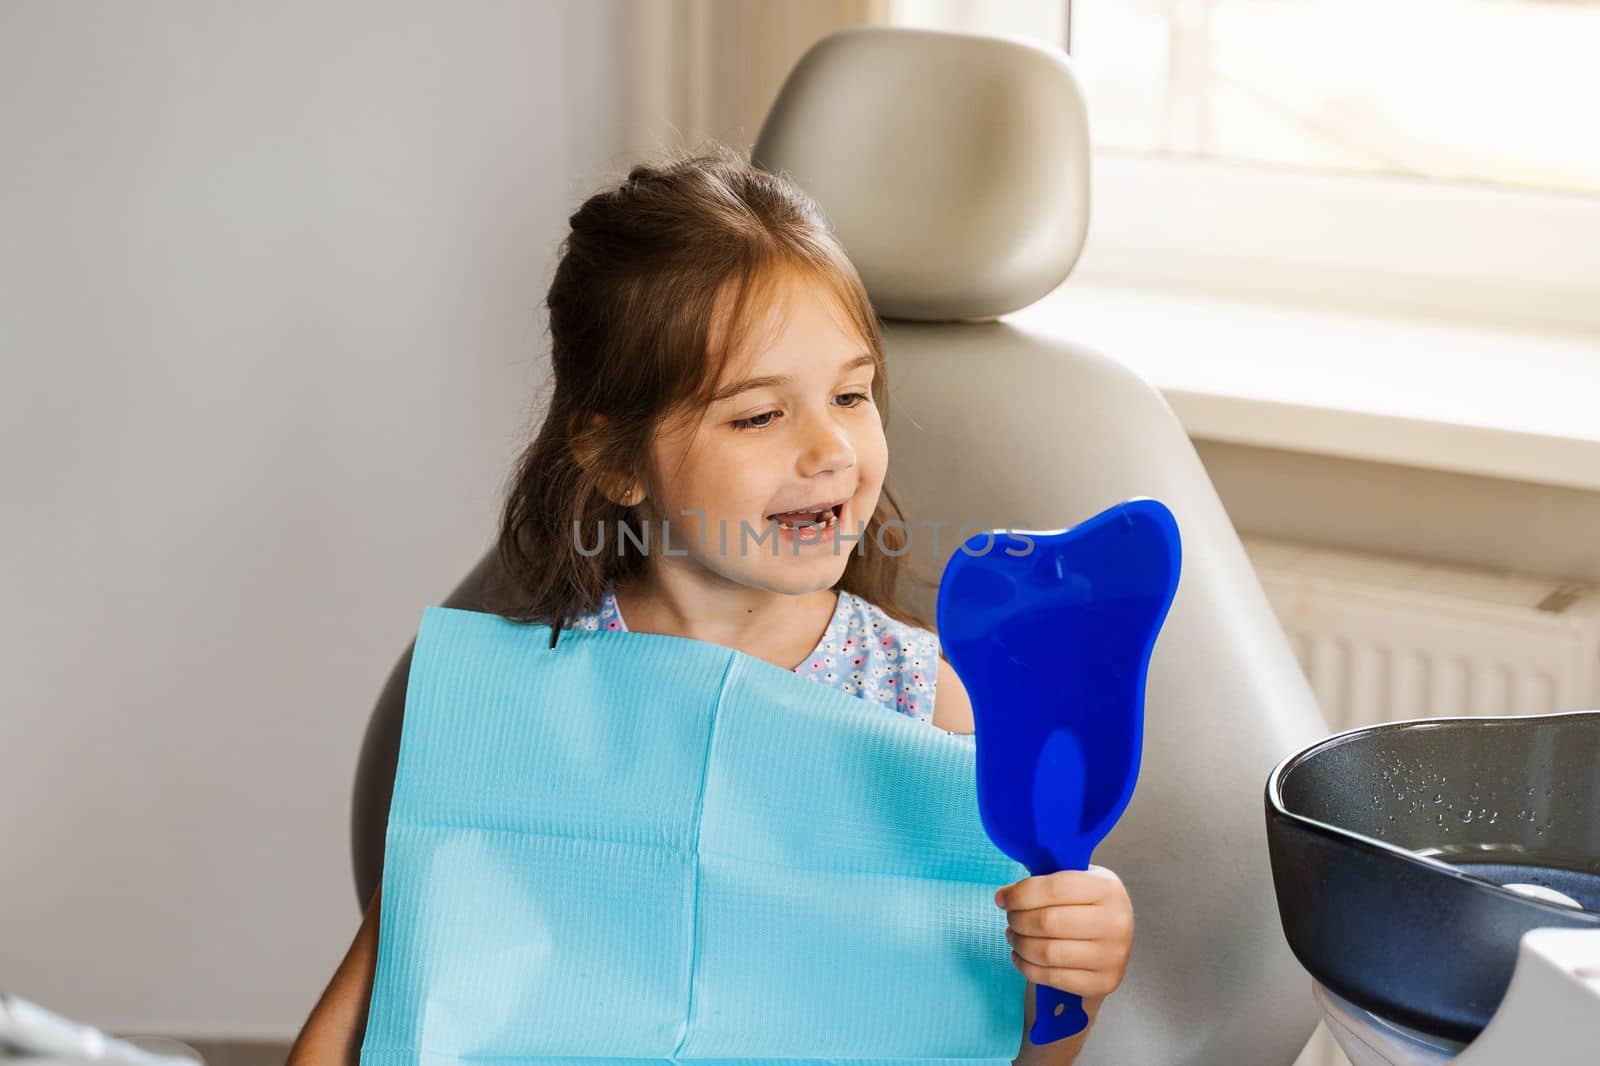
[(638, 848)]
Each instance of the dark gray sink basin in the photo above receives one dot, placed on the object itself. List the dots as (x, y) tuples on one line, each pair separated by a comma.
[(1391, 847)]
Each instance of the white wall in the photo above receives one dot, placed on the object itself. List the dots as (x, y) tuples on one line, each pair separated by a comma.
[(270, 278)]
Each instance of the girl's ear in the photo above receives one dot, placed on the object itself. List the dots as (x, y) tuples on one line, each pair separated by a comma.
[(584, 441), (585, 445), (630, 496)]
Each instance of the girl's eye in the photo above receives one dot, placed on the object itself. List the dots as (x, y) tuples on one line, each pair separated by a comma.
[(753, 422), (763, 420)]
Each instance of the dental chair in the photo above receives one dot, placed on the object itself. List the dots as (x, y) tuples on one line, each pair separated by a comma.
[(954, 170)]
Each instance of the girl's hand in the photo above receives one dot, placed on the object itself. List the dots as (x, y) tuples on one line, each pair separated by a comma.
[(1071, 930)]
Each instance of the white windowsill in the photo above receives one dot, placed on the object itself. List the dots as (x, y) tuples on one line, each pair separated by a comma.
[(1443, 394)]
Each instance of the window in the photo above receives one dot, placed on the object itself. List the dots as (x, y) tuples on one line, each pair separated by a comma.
[(1498, 91), (1441, 152)]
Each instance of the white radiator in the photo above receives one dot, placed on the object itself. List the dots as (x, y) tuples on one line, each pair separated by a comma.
[(1383, 638)]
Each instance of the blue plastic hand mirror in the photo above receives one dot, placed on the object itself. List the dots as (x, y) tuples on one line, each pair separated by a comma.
[(1051, 633)]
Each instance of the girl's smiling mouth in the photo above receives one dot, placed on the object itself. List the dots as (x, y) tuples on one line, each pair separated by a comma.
[(817, 514), (809, 525)]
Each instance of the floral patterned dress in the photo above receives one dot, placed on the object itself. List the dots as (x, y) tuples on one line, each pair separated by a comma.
[(863, 652)]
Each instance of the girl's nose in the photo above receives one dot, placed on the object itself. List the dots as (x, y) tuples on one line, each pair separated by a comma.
[(827, 448)]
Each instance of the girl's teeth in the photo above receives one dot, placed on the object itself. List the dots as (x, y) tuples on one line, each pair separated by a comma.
[(829, 519)]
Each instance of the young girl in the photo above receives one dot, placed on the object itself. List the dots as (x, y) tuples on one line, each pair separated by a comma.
[(712, 466)]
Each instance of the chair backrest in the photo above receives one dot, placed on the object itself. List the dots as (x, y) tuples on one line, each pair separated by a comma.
[(954, 170)]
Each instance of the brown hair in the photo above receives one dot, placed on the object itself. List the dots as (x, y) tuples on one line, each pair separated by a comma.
[(641, 275)]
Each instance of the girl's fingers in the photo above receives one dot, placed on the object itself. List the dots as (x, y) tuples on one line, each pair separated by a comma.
[(1061, 954), (1084, 922), (1062, 887), (1086, 983)]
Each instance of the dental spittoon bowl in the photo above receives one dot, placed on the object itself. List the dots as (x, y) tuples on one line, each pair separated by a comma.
[(1409, 858)]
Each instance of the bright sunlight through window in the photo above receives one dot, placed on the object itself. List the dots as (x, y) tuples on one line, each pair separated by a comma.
[(1490, 91)]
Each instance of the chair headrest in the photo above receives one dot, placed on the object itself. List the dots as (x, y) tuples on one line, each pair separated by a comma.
[(953, 167)]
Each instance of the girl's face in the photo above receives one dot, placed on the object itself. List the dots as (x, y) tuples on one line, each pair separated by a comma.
[(794, 425)]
